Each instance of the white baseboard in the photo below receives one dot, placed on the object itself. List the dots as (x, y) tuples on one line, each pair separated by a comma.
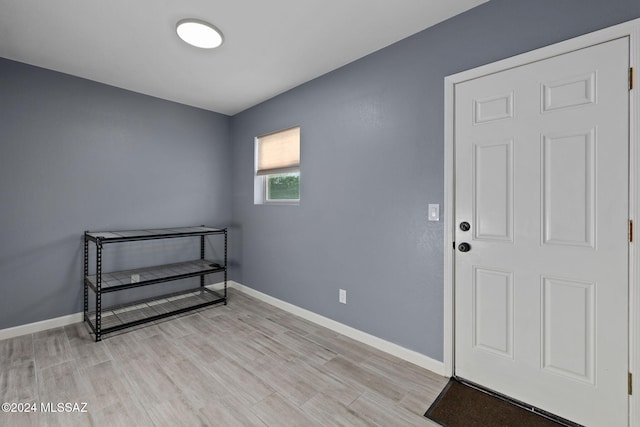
[(378, 343), (43, 325)]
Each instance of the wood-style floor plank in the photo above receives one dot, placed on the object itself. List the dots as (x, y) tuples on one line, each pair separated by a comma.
[(18, 383), (51, 348), (359, 375), (382, 411), (330, 412), (63, 384), (16, 350), (275, 410), (244, 364), (118, 404), (230, 411)]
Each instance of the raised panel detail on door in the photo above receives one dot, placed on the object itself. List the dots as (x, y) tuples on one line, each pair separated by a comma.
[(493, 191), (569, 92), (493, 310), (568, 340), (568, 170), (493, 108)]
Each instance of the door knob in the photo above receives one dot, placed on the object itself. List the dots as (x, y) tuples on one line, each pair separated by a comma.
[(464, 247), (465, 226)]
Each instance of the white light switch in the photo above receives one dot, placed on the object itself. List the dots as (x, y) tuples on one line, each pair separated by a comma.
[(434, 212)]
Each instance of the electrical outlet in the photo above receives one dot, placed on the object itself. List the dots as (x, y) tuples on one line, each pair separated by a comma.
[(343, 296), (135, 278)]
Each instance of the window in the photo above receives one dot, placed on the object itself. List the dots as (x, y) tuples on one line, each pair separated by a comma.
[(278, 167)]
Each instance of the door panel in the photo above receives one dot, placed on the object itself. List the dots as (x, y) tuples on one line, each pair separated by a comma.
[(493, 191), (568, 331), (568, 171), (541, 297), (493, 311)]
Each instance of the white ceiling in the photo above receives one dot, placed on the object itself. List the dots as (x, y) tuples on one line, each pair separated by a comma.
[(270, 45)]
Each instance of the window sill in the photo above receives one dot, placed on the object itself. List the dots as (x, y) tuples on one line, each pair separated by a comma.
[(283, 203)]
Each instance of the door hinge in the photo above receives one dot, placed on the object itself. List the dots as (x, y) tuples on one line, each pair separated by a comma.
[(631, 77), (630, 231), (630, 383)]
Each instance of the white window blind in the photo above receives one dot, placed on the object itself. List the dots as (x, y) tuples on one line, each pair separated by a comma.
[(279, 152)]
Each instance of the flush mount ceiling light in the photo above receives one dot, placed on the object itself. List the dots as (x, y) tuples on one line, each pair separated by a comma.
[(199, 33)]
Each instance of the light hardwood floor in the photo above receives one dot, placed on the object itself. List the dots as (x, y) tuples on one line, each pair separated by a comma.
[(244, 364)]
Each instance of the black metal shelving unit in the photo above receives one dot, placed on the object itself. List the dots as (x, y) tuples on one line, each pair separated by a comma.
[(105, 320)]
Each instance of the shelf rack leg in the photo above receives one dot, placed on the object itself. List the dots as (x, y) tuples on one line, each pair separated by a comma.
[(86, 273), (98, 290), (202, 250), (225, 266)]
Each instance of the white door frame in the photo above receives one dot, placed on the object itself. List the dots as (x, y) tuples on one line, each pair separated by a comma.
[(629, 29)]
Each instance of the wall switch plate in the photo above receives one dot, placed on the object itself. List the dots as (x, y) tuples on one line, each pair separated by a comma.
[(434, 212), (135, 278), (343, 296)]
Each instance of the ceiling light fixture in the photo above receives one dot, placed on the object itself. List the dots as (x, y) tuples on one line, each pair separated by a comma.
[(199, 33)]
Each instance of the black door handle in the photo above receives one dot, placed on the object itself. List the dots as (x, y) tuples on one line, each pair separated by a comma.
[(464, 247), (465, 226)]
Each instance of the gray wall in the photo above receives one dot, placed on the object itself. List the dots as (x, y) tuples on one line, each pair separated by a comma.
[(372, 160), (77, 155)]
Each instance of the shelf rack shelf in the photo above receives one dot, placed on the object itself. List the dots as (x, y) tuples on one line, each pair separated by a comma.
[(105, 320)]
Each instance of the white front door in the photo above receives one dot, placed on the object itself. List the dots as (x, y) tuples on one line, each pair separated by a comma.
[(541, 178)]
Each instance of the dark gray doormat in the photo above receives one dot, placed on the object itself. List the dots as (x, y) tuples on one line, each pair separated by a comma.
[(464, 405)]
